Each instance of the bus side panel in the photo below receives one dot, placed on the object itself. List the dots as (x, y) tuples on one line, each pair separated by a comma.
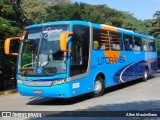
[(136, 62), (129, 66)]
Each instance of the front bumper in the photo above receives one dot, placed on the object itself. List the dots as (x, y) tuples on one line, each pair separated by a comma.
[(57, 91)]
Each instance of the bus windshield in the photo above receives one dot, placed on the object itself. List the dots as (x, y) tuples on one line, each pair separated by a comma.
[(40, 51)]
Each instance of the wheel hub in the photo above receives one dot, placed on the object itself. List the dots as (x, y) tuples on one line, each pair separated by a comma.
[(145, 75), (98, 86)]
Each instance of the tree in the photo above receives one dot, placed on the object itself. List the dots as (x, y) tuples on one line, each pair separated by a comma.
[(156, 29), (11, 22), (35, 9), (80, 11), (156, 24), (139, 26), (157, 15)]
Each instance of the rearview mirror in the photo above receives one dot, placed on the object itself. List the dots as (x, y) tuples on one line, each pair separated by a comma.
[(63, 41), (7, 45)]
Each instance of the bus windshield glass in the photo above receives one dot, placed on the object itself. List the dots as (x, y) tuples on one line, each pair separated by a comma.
[(40, 51)]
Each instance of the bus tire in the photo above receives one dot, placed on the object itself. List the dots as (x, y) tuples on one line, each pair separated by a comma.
[(99, 87), (145, 75)]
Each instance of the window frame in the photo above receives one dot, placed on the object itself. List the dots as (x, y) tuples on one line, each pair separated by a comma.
[(100, 44), (145, 39), (154, 47), (131, 36), (120, 41), (141, 47), (102, 37)]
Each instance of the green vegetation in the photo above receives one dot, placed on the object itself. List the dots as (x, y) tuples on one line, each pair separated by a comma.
[(132, 23), (96, 14), (11, 25), (35, 9), (16, 14), (155, 31)]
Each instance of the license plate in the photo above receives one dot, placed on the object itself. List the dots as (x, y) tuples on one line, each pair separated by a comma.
[(37, 91)]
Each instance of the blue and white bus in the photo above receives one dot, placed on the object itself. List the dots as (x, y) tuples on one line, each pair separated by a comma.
[(64, 59)]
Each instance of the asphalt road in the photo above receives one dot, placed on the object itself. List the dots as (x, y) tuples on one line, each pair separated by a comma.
[(136, 95)]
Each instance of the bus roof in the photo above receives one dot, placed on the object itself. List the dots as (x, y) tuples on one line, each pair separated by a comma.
[(119, 30), (59, 22)]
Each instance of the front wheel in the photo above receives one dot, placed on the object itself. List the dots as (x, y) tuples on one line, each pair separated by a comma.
[(99, 87), (145, 75)]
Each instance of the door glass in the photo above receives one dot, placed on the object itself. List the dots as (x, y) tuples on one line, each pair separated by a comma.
[(80, 50)]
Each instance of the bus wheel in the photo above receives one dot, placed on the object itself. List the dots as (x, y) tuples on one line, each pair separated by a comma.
[(98, 87), (145, 75)]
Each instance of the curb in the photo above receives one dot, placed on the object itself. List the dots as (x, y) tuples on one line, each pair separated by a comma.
[(8, 91)]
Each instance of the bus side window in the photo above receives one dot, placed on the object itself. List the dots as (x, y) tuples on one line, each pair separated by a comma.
[(152, 45), (137, 44), (115, 41), (100, 39), (145, 44), (96, 39), (128, 43)]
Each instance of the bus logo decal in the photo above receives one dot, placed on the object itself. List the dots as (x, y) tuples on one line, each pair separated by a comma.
[(111, 60)]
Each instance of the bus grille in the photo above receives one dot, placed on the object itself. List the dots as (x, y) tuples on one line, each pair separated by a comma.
[(37, 83)]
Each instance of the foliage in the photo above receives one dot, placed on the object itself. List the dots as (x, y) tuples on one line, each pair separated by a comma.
[(9, 24), (12, 22), (133, 24), (35, 9), (156, 29), (93, 13), (156, 24)]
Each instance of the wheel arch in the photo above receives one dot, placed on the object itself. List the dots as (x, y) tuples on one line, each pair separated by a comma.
[(146, 67), (103, 87), (100, 74)]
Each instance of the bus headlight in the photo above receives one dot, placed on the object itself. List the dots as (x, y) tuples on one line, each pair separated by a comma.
[(19, 81), (60, 81)]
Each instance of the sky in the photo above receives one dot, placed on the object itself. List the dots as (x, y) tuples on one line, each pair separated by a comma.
[(141, 9)]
